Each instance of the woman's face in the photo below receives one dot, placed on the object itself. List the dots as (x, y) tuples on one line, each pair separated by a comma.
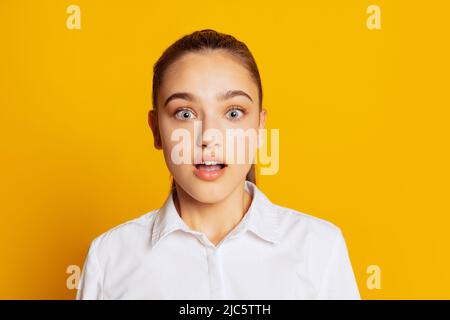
[(195, 116)]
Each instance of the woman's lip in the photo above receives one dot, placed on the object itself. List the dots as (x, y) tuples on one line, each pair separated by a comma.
[(209, 175)]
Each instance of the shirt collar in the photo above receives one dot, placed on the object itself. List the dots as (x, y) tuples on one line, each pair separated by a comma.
[(261, 218)]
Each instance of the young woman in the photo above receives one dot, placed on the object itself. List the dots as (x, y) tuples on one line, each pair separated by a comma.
[(217, 236)]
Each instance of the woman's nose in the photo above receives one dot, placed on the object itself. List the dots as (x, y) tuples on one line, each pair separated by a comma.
[(210, 135)]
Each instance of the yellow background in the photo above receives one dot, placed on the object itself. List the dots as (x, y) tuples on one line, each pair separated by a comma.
[(363, 118)]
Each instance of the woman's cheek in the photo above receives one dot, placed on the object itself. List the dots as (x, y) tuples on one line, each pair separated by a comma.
[(178, 145)]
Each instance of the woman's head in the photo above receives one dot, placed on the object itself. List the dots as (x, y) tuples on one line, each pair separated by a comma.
[(210, 78)]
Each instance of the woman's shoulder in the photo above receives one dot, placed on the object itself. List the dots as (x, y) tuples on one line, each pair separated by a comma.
[(300, 223), (293, 222), (310, 234), (130, 232)]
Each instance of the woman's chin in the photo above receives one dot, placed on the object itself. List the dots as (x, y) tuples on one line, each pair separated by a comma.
[(207, 192)]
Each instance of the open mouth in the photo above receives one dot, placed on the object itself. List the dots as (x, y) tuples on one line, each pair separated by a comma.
[(210, 170), (210, 166)]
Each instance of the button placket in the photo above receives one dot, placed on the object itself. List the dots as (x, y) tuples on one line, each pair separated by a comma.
[(215, 273)]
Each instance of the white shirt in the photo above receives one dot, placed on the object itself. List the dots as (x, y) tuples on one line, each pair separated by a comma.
[(273, 253)]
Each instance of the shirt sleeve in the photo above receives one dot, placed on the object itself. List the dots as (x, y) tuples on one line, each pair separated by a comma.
[(90, 282), (339, 281)]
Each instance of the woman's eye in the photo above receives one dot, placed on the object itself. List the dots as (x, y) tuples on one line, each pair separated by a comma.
[(184, 115), (234, 114)]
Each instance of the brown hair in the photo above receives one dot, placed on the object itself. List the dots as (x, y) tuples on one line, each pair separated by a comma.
[(203, 40)]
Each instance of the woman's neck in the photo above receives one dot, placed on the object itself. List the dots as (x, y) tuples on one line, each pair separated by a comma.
[(214, 220)]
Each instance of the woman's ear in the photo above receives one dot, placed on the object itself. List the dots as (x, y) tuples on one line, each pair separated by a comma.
[(262, 124), (153, 123), (262, 118)]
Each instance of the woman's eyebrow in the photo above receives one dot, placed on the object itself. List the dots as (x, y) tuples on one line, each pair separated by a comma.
[(180, 95), (232, 93), (220, 97)]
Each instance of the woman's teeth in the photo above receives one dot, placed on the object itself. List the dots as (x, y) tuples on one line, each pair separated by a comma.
[(210, 165)]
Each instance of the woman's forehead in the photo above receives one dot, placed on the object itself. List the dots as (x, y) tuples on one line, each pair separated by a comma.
[(206, 75)]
